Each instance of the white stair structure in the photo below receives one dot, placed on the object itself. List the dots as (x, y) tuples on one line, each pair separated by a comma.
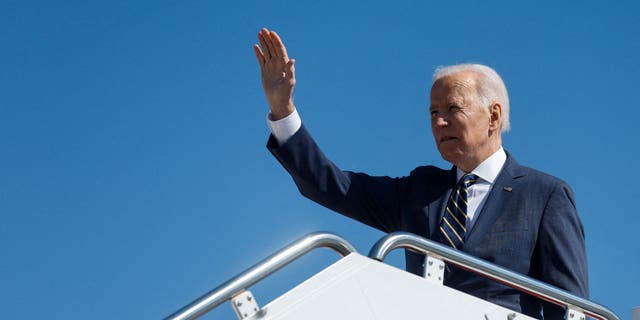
[(360, 287)]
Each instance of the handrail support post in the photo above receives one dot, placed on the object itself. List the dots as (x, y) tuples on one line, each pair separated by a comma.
[(574, 314), (245, 305), (434, 269)]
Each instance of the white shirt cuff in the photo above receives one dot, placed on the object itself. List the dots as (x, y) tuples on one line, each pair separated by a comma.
[(286, 127)]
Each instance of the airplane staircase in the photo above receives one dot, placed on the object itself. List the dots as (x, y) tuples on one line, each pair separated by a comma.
[(364, 287)]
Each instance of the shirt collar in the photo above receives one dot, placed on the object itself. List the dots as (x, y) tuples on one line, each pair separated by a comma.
[(489, 169)]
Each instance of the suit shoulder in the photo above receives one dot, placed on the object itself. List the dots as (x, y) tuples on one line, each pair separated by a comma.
[(544, 177), (542, 181), (432, 172)]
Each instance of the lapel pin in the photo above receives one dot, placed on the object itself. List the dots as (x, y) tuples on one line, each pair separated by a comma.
[(507, 189)]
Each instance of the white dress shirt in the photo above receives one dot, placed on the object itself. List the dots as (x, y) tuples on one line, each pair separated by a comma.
[(487, 171), (286, 127)]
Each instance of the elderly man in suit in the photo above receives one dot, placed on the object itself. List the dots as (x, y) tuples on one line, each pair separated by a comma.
[(487, 205)]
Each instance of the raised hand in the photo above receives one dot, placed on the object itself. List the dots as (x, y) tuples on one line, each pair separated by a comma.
[(278, 74)]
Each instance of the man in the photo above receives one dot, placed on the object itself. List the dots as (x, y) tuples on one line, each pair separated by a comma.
[(487, 205)]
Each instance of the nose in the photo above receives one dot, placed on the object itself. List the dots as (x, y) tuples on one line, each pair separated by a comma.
[(439, 122)]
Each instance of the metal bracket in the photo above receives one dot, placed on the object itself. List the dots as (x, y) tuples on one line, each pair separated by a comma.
[(574, 314), (245, 305), (499, 314), (434, 269)]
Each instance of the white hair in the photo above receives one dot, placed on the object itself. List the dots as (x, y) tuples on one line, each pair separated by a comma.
[(490, 87)]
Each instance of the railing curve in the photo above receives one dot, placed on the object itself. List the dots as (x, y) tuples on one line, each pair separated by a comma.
[(262, 269), (515, 280)]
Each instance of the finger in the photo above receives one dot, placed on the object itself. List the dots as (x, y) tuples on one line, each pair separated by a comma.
[(268, 37), (263, 43), (259, 55), (279, 47)]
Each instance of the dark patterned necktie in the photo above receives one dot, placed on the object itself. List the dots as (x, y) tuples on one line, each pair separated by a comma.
[(453, 226)]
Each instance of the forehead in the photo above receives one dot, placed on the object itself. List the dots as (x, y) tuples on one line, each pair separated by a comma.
[(456, 86)]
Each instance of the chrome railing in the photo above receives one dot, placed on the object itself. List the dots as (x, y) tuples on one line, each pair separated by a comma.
[(525, 284), (261, 270)]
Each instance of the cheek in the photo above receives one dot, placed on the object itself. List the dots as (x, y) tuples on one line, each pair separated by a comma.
[(434, 129)]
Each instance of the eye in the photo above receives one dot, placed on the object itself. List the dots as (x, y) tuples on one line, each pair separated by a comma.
[(454, 107), (433, 113)]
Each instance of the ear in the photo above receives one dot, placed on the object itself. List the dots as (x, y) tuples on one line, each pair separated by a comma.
[(495, 117)]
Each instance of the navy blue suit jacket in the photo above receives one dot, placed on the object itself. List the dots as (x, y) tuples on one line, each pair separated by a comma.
[(528, 224)]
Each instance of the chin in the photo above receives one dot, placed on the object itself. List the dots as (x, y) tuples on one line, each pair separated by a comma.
[(451, 156)]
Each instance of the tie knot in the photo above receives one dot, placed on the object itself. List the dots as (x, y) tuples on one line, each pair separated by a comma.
[(468, 179)]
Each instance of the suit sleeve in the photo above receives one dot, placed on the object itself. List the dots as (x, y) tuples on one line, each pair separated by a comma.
[(562, 259), (375, 201)]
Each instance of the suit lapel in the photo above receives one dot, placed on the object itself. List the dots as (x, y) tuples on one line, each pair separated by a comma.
[(498, 201)]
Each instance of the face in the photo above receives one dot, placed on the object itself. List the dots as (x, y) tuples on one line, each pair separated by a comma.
[(461, 125)]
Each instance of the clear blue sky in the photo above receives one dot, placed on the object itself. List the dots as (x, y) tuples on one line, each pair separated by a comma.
[(133, 170)]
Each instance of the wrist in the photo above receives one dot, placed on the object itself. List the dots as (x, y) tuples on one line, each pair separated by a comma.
[(281, 112)]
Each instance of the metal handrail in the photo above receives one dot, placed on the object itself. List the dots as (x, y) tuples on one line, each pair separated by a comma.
[(261, 270), (462, 260)]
